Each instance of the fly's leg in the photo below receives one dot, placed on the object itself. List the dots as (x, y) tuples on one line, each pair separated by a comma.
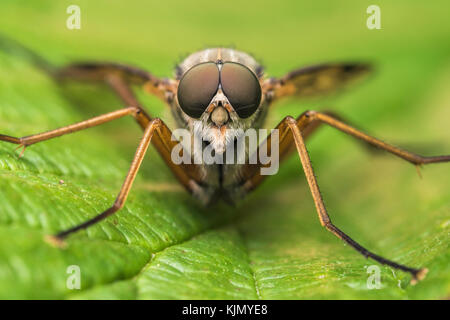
[(156, 132), (406, 155), (309, 122), (159, 135), (35, 138), (292, 133), (120, 78), (124, 191), (324, 218)]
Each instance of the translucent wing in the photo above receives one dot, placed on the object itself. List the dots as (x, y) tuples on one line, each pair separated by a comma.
[(101, 70), (316, 80)]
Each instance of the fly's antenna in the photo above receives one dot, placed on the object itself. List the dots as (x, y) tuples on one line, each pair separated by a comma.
[(12, 46)]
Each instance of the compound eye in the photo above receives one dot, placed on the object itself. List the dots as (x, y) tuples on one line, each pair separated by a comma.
[(197, 87), (242, 88)]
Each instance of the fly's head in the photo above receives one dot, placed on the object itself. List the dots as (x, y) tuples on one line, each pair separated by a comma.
[(219, 96)]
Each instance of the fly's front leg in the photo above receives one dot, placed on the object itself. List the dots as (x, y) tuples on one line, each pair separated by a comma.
[(124, 191), (324, 218), (159, 135), (251, 177), (156, 132), (292, 134)]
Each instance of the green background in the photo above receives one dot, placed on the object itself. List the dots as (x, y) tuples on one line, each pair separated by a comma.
[(165, 245)]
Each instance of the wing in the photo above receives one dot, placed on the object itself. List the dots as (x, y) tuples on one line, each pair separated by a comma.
[(316, 80), (118, 76), (101, 70)]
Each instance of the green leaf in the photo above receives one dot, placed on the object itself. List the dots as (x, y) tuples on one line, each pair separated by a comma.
[(163, 244)]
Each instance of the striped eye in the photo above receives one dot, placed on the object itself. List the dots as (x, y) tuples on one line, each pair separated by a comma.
[(197, 87), (242, 88)]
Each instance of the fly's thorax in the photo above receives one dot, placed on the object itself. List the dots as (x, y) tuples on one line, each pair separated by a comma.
[(214, 54)]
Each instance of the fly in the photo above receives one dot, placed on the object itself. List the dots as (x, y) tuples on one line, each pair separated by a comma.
[(215, 92)]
